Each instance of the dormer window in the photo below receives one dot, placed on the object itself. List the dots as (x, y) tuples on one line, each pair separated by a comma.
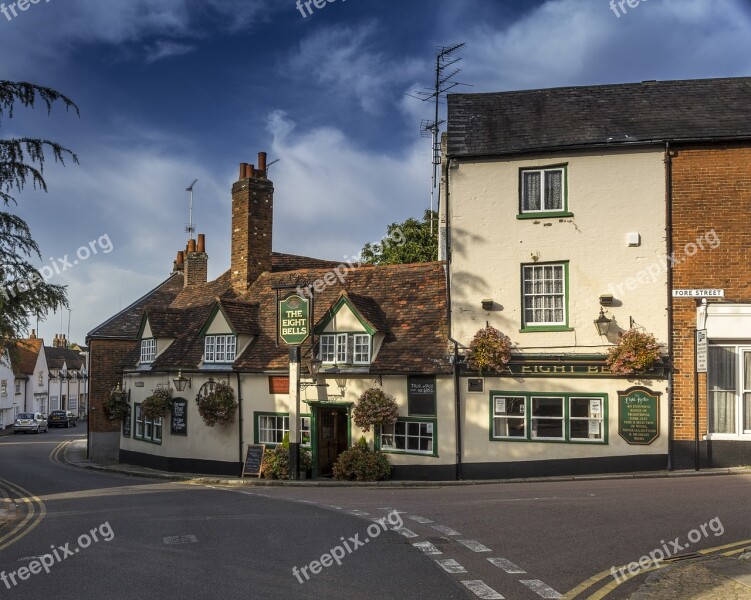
[(345, 348), (148, 350), (220, 348)]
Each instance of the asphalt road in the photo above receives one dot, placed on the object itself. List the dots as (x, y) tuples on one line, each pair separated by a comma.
[(114, 536)]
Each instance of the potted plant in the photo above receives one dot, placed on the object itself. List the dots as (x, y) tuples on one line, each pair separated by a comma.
[(375, 407), (218, 405), (275, 463), (636, 352), (360, 463), (489, 350), (116, 405), (156, 406)]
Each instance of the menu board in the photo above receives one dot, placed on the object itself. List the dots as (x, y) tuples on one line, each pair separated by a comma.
[(126, 423), (179, 422), (421, 395), (639, 416), (253, 460)]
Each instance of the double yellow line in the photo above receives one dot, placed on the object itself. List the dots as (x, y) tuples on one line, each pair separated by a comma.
[(593, 582), (34, 511)]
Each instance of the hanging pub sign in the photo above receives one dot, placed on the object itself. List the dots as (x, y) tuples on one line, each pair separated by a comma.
[(639, 415), (294, 320)]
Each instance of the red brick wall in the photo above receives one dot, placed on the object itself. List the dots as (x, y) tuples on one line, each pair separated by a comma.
[(252, 223), (711, 191), (106, 372)]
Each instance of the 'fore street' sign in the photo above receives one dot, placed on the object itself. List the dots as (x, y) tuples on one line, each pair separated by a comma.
[(294, 320)]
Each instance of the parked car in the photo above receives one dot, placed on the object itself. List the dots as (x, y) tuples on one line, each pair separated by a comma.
[(35, 422), (62, 418)]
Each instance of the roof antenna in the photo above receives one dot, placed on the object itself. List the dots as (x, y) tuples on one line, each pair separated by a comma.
[(190, 228)]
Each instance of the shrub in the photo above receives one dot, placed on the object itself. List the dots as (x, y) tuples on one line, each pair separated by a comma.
[(275, 463), (218, 405), (636, 352), (116, 409), (156, 405), (489, 350), (375, 407), (360, 463)]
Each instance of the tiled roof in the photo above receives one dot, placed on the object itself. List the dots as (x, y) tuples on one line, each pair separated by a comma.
[(604, 115), (56, 357), (291, 262), (125, 324), (243, 317), (24, 356)]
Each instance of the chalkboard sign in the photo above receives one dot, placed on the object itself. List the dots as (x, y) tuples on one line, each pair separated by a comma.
[(421, 395), (179, 422), (639, 416), (253, 460), (126, 423)]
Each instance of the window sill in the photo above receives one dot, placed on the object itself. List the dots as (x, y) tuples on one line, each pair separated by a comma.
[(408, 453), (544, 215), (545, 328), (738, 437), (544, 441)]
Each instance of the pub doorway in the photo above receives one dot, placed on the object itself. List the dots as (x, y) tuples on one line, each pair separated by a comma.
[(332, 436)]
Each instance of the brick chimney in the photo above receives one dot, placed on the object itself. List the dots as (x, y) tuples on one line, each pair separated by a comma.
[(196, 264), (178, 264), (252, 222)]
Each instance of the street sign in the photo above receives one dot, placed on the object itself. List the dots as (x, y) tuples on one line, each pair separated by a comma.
[(701, 350), (699, 293), (294, 320)]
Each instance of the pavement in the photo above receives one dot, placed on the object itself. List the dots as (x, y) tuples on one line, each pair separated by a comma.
[(719, 577)]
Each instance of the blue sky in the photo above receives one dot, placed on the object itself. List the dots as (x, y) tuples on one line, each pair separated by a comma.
[(173, 90)]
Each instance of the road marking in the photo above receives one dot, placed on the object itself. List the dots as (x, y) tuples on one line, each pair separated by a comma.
[(445, 530), (481, 590), (23, 528), (359, 513), (408, 533), (451, 566), (506, 565), (541, 589), (180, 539), (418, 519), (475, 546), (427, 548)]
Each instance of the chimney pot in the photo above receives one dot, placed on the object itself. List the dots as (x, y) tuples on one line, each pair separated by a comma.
[(251, 171), (180, 258), (33, 334), (243, 170), (201, 242), (191, 246), (262, 163)]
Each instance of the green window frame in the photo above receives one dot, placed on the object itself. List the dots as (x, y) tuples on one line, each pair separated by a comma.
[(542, 285), (548, 417), (409, 435), (543, 192), (147, 430), (267, 425)]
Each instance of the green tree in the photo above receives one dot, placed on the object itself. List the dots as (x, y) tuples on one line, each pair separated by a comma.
[(408, 242), (24, 293)]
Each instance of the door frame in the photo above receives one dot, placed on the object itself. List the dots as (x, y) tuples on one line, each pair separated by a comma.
[(315, 407)]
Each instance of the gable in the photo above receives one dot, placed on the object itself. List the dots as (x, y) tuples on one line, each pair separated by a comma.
[(145, 329), (343, 317), (218, 325)]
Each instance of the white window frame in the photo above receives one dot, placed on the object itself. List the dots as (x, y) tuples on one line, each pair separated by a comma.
[(281, 428), (147, 430), (426, 429), (361, 353), (4, 387), (148, 350), (327, 348), (220, 348), (543, 196), (73, 402), (342, 351), (533, 419), (593, 417), (740, 432), (535, 268), (500, 413)]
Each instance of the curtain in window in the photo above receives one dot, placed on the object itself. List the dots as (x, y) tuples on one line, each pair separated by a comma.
[(554, 190), (746, 395), (532, 190), (722, 389)]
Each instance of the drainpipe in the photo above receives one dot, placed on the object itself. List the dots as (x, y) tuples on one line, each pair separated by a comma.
[(669, 242), (457, 392), (240, 415)]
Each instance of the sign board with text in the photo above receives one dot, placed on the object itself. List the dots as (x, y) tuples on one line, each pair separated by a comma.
[(179, 421), (253, 460), (294, 320), (702, 293), (701, 350), (639, 416)]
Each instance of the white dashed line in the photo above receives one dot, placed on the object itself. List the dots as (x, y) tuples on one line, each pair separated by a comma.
[(408, 533), (506, 565), (427, 548), (450, 565), (474, 545), (481, 590), (445, 530), (418, 519), (541, 589)]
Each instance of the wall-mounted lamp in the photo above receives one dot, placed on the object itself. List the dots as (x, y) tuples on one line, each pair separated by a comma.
[(118, 393), (180, 381), (314, 367), (602, 323), (341, 382), (487, 304)]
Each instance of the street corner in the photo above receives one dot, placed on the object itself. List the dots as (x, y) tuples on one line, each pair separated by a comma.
[(720, 578)]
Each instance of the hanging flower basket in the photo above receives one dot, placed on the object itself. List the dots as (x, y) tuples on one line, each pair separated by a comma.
[(218, 406), (116, 405), (490, 350), (374, 407), (636, 352), (157, 405)]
